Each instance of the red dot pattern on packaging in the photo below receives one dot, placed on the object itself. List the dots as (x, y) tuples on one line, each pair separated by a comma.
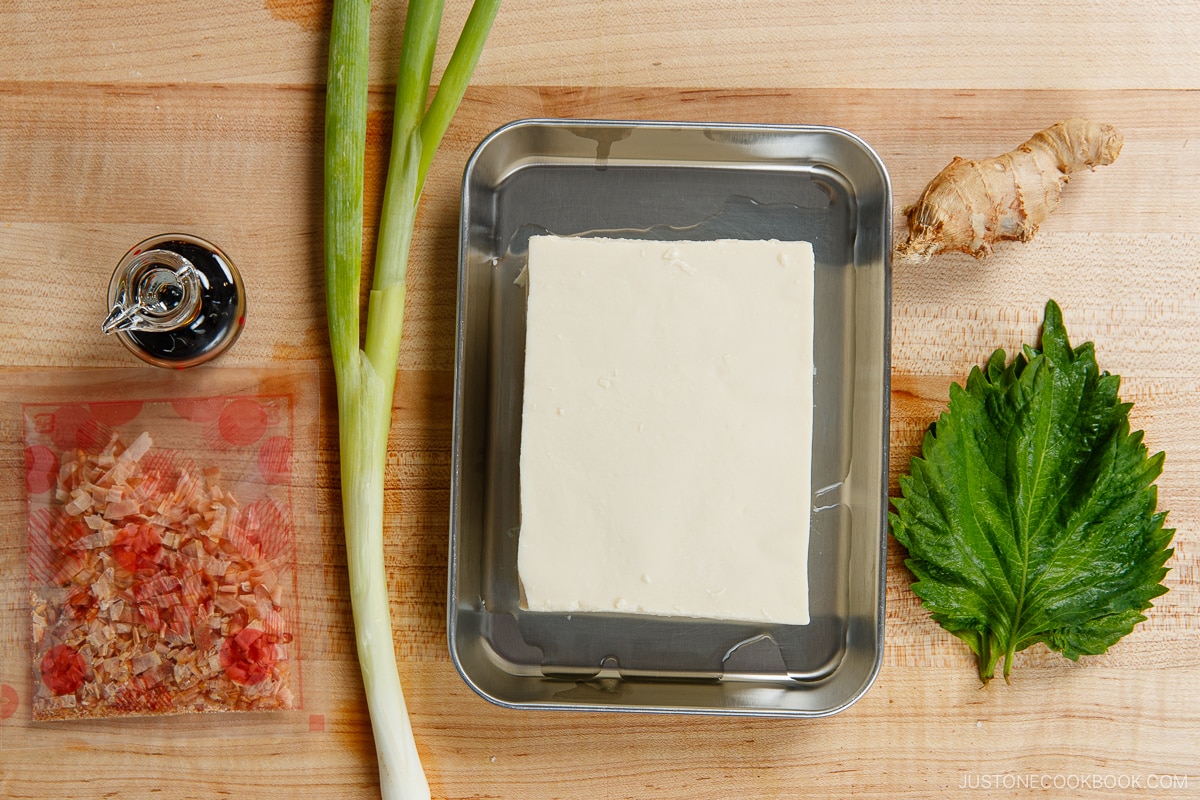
[(243, 422), (41, 469)]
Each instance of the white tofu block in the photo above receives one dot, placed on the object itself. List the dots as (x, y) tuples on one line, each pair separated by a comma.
[(667, 428)]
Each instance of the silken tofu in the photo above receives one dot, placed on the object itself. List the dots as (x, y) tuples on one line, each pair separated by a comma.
[(667, 428)]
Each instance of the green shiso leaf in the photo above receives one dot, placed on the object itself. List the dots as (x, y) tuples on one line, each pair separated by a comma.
[(1031, 513)]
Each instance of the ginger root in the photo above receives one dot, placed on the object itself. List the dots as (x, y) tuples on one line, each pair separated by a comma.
[(971, 205)]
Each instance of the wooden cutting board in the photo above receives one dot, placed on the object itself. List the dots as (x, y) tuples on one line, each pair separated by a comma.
[(122, 121)]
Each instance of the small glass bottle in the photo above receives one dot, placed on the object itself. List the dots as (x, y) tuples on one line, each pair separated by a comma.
[(176, 301)]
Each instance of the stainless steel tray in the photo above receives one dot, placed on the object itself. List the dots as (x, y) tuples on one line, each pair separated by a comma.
[(674, 181)]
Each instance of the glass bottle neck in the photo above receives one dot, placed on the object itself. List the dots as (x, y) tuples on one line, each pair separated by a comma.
[(157, 291)]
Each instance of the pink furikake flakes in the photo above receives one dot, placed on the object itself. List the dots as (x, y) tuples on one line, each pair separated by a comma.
[(153, 589)]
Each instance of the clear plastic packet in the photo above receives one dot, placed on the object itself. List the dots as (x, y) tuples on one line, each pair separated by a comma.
[(164, 517)]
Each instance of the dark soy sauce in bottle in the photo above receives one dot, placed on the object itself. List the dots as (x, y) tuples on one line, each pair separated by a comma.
[(176, 301)]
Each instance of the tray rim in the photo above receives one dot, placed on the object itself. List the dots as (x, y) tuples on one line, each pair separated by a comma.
[(879, 628)]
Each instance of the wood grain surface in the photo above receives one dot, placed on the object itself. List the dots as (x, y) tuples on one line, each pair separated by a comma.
[(121, 119)]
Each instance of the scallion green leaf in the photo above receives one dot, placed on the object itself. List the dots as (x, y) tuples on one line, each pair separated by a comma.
[(366, 373)]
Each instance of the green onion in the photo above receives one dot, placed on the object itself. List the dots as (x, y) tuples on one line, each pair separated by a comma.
[(366, 372)]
